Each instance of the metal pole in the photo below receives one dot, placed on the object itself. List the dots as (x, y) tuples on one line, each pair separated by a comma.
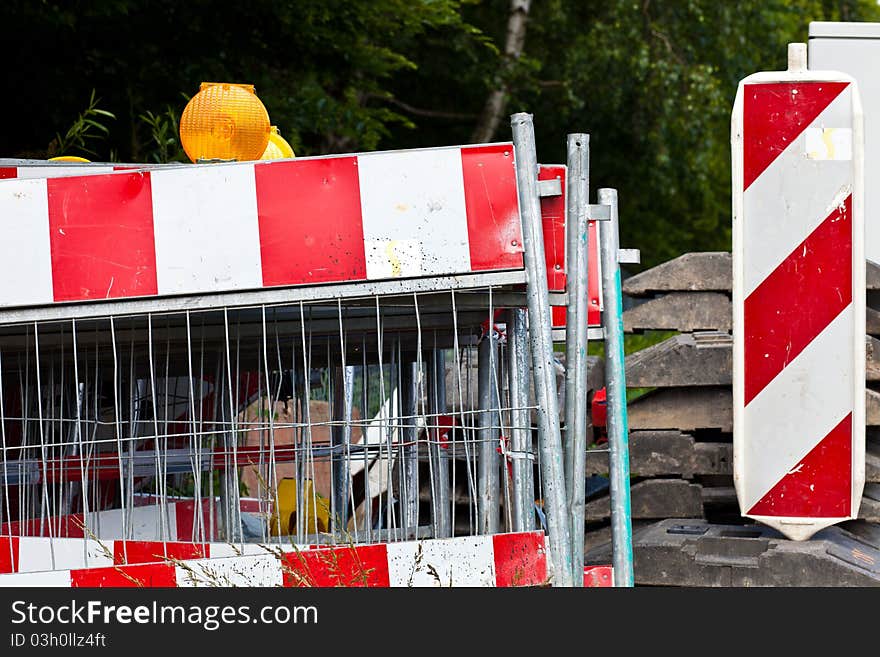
[(489, 420), (409, 400), (577, 191), (343, 400), (615, 387), (439, 456), (523, 459), (541, 339)]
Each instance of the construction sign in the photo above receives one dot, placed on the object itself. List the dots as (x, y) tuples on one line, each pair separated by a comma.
[(798, 298)]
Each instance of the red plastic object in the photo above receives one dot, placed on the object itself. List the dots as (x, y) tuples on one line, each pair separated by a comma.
[(599, 409), (598, 576)]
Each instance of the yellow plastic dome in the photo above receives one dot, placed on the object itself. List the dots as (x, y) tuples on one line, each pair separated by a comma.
[(224, 121), (68, 158), (277, 148)]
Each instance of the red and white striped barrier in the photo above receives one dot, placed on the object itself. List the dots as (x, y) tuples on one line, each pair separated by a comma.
[(246, 226), (49, 170), (500, 560), (143, 522), (798, 299), (553, 218), (28, 554)]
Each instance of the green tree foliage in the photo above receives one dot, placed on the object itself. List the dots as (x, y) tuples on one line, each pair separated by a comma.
[(652, 81), (318, 65)]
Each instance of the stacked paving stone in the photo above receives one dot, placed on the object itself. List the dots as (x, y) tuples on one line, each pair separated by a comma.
[(681, 452)]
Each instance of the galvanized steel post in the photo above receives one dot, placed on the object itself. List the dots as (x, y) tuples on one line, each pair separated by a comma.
[(541, 339), (489, 422), (576, 236), (409, 407), (343, 402), (522, 457), (441, 515), (615, 387)]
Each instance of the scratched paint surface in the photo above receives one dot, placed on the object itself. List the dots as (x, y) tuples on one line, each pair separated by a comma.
[(258, 570), (465, 561)]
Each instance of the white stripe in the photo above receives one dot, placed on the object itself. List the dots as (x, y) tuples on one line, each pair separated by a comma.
[(797, 409), (414, 216), (26, 262), (793, 195), (36, 554), (48, 578), (50, 171), (465, 561), (142, 523), (206, 229), (242, 571)]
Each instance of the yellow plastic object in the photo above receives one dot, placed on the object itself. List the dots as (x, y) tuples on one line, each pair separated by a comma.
[(317, 509), (68, 158), (224, 121), (277, 148)]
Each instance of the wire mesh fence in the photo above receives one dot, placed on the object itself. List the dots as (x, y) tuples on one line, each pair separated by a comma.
[(377, 418)]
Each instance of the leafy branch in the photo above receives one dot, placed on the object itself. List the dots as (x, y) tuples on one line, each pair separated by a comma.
[(87, 129)]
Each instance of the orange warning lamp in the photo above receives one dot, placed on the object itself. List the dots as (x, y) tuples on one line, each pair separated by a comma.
[(68, 158), (277, 148), (224, 121)]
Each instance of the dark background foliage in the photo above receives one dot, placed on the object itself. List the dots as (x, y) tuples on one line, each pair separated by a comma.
[(651, 81)]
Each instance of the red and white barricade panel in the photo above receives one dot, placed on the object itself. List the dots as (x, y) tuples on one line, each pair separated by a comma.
[(28, 554), (203, 229), (30, 169), (553, 218), (798, 300), (144, 521), (50, 170), (500, 560)]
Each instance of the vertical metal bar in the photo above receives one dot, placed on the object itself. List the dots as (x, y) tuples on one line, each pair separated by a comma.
[(347, 414), (577, 191), (343, 399), (520, 434), (116, 422), (615, 387), (574, 203), (489, 421), (365, 418), (541, 339), (160, 480), (198, 532), (410, 452), (5, 462), (462, 392), (439, 456), (222, 425)]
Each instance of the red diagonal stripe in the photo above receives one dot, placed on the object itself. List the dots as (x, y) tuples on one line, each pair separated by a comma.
[(8, 172), (773, 117), (798, 299), (820, 485)]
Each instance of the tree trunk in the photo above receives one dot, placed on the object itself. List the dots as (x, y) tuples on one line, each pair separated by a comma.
[(496, 103)]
